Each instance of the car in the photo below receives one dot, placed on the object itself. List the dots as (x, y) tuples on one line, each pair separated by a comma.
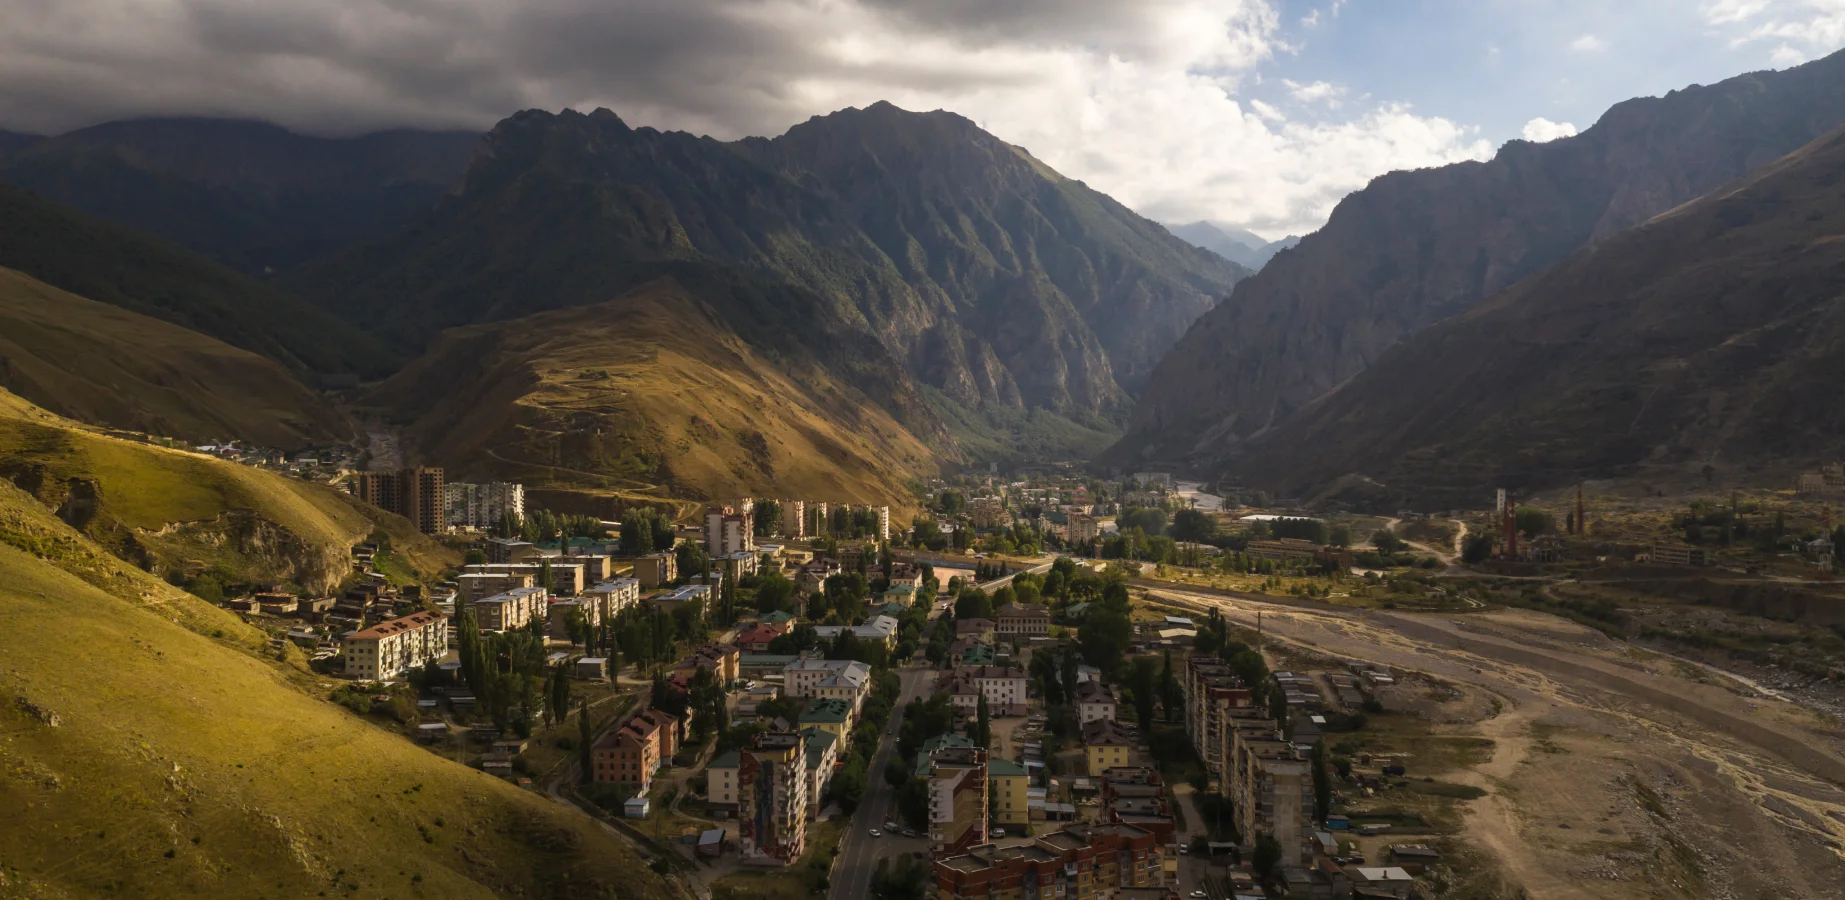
[(876, 833), (1183, 851), (1198, 895), (999, 832)]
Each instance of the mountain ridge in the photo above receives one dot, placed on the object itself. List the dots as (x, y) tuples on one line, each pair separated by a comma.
[(1413, 248)]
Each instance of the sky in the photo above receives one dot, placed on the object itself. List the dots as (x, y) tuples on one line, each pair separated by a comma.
[(1256, 113)]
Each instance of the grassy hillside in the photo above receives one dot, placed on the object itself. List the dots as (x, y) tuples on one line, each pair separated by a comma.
[(109, 366), (1697, 339), (120, 267), (173, 510), (647, 397), (149, 751)]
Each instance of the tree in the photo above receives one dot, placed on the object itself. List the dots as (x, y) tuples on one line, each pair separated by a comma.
[(692, 560), (1340, 536), (767, 517), (1477, 548), (474, 557), (1105, 636), (896, 774), (1322, 787), (973, 603), (1386, 541), (1171, 695), (983, 726), (1141, 682), (775, 592), (1533, 522), (585, 756), (1267, 857), (1194, 526)]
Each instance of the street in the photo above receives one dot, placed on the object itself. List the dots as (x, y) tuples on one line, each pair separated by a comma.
[(859, 852)]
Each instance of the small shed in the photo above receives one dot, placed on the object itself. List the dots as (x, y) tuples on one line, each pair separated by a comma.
[(593, 668), (711, 842), (636, 808)]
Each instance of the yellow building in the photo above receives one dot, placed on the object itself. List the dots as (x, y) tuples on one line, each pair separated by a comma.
[(1006, 783), (829, 715), (1106, 745)]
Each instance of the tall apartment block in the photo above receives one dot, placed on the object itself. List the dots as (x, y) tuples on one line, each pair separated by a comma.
[(416, 494), (482, 505)]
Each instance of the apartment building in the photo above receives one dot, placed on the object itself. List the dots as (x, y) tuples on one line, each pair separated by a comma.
[(1022, 620), (794, 519), (1083, 528), (801, 678), (1212, 693), (1003, 686), (1271, 788), (476, 586), (724, 661), (567, 579), (822, 756), (728, 530), (877, 630), (416, 494), (1081, 862), (1008, 787), (1106, 745), (836, 716), (772, 798), (988, 512), (628, 756), (482, 505), (512, 610), (393, 647), (958, 800), (613, 596), (1095, 702), (656, 570), (509, 550)]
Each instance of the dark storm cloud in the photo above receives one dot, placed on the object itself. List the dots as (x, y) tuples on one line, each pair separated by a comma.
[(724, 66)]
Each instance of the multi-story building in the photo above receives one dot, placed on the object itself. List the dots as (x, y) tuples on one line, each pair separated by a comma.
[(1022, 620), (1003, 686), (1009, 786), (722, 659), (559, 612), (395, 646), (656, 570), (1134, 796), (613, 596), (772, 798), (1106, 745), (1081, 862), (1083, 528), (596, 567), (482, 505), (728, 530), (836, 716), (738, 565), (628, 756), (477, 586), (957, 800), (794, 519), (510, 550), (1677, 555), (1095, 701), (416, 494), (1213, 693), (883, 514), (802, 677), (1271, 789), (822, 756), (877, 630), (512, 610), (818, 519), (988, 512), (566, 578)]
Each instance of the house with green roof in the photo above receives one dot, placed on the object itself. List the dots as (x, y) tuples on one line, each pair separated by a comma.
[(930, 747), (822, 759), (978, 655), (778, 617), (1076, 610), (894, 610), (828, 714), (900, 593)]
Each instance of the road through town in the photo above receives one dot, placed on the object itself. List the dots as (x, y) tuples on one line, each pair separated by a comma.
[(859, 852)]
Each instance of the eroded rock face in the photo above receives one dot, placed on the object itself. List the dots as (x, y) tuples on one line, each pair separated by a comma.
[(1415, 248)]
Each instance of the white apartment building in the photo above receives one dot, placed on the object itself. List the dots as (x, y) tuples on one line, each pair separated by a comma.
[(794, 519), (482, 505), (611, 597), (390, 648), (802, 677), (1003, 686), (1094, 701), (512, 610), (728, 531)]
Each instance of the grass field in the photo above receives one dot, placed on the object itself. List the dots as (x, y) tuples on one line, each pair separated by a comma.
[(149, 746)]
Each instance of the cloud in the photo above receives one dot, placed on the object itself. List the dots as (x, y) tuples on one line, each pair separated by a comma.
[(1800, 29), (1315, 92), (1588, 43), (1141, 100), (1540, 130)]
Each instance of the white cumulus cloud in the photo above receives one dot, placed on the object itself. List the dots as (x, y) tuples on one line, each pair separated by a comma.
[(1799, 29), (1588, 43), (1540, 129)]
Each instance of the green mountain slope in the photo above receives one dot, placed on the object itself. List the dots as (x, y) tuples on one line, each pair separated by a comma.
[(105, 365), (120, 267), (152, 749), (250, 195), (171, 510), (651, 396), (1708, 336), (1414, 248), (983, 273)]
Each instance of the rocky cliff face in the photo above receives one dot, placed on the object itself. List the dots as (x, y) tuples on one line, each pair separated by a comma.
[(1697, 338), (986, 274), (1414, 248)]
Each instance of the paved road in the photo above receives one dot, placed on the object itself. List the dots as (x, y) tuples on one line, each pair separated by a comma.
[(859, 851)]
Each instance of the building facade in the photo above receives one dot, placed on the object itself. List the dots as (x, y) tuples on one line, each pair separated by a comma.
[(728, 530), (772, 800), (512, 610), (416, 494), (393, 647), (958, 800), (482, 505)]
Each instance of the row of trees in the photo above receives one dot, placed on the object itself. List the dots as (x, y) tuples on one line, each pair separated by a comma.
[(544, 525)]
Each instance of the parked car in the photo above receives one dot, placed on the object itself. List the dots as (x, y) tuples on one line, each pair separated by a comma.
[(876, 833)]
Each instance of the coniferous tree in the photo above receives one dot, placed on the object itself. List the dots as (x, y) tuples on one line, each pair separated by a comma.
[(585, 756)]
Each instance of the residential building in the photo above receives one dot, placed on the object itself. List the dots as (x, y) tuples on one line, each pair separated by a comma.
[(978, 629), (961, 690), (1081, 862), (832, 715), (558, 614), (988, 512), (1095, 702), (1083, 528), (1214, 695), (721, 780), (1678, 555), (509, 550), (851, 684), (801, 677), (772, 798), (482, 505), (1023, 619), (1106, 745), (758, 638), (1134, 796), (822, 757), (512, 610), (685, 593), (794, 519), (1271, 788), (416, 494), (724, 661), (1007, 785), (902, 573), (656, 570), (613, 596), (393, 647), (877, 629), (476, 586), (728, 530), (813, 575), (630, 755), (957, 800), (566, 578), (596, 566), (1003, 686), (737, 565)]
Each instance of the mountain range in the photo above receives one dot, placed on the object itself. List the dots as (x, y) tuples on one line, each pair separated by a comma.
[(1414, 248), (1244, 248), (1706, 336)]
